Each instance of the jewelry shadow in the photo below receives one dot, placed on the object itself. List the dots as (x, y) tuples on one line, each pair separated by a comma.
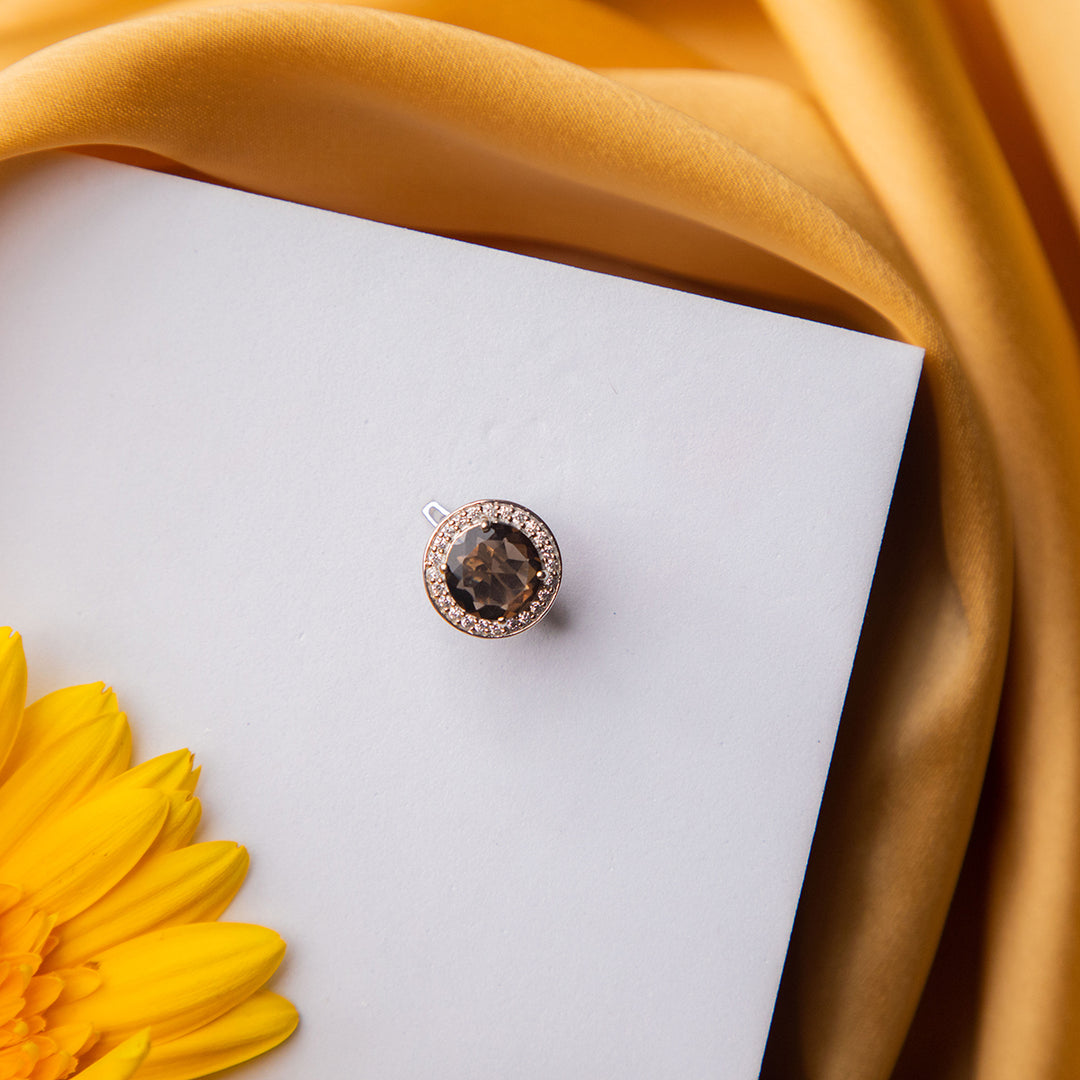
[(557, 621)]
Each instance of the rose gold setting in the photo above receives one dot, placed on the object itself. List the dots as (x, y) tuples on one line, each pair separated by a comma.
[(487, 513)]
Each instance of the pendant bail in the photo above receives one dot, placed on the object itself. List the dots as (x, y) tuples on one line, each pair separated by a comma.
[(431, 510)]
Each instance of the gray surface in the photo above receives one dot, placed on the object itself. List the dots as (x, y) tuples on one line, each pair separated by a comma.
[(572, 854)]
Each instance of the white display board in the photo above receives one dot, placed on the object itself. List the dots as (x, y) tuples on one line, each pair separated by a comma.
[(574, 854)]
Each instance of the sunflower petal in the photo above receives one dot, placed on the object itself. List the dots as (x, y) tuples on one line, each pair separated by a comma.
[(73, 1039), (81, 855), (19, 1060), (121, 1063), (252, 1028), (55, 1067), (79, 982), (42, 991), (181, 822), (175, 980), (24, 929), (12, 688), (193, 884), (168, 773), (55, 715), (58, 776)]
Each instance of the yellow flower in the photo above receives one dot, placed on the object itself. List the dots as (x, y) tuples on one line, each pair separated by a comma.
[(111, 965)]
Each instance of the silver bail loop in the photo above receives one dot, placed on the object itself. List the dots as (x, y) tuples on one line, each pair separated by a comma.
[(435, 513)]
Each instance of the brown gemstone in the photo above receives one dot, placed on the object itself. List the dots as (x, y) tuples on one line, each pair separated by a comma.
[(493, 572)]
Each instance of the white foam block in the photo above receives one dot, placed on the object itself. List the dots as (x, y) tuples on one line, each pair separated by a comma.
[(570, 855)]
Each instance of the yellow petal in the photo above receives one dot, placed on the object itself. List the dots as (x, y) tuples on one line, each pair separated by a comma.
[(24, 929), (79, 856), (193, 884), (121, 1063), (250, 1029), (19, 1060), (73, 1039), (168, 773), (14, 979), (175, 980), (78, 983), (180, 824), (58, 776), (42, 991), (172, 774), (55, 1067), (12, 688), (56, 715)]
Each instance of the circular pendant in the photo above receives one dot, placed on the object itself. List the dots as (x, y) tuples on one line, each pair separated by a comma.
[(492, 568)]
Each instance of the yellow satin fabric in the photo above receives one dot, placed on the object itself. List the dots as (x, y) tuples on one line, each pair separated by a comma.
[(909, 167)]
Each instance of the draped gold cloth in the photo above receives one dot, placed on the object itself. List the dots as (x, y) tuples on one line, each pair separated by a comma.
[(908, 167)]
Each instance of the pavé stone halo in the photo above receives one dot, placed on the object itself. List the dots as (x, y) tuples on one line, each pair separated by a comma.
[(492, 567)]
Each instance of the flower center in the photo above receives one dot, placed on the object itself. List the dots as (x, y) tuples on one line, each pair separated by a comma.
[(29, 1048)]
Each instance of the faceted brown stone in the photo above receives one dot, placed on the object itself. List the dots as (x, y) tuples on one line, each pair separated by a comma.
[(493, 572)]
